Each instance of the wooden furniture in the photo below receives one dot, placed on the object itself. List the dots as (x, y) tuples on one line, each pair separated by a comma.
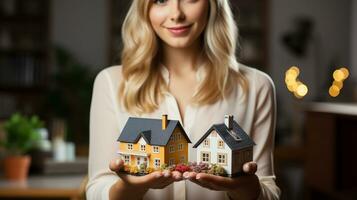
[(24, 54), (330, 164), (252, 18), (69, 186)]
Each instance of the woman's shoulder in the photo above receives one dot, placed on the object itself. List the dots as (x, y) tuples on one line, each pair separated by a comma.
[(257, 79), (113, 74)]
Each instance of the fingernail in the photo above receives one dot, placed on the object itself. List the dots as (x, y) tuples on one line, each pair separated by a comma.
[(198, 177), (166, 174)]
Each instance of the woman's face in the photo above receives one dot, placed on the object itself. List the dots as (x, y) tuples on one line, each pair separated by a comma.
[(179, 23)]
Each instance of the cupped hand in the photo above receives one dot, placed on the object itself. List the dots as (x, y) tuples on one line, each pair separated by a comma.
[(154, 180), (244, 187)]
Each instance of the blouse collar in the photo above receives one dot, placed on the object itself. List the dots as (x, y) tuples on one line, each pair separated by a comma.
[(200, 73)]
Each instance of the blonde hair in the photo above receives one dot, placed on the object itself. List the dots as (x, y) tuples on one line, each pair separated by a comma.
[(142, 88)]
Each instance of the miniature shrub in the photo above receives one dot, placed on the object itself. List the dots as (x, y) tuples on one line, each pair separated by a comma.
[(150, 170), (134, 170)]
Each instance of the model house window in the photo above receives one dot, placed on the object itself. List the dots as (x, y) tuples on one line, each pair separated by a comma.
[(155, 149), (206, 143), (220, 144), (138, 161), (171, 149), (173, 137), (222, 158), (157, 163), (182, 159), (178, 136), (172, 161), (142, 147), (205, 157), (126, 159), (180, 147), (130, 146)]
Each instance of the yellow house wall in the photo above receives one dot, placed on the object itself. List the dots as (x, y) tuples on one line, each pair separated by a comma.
[(175, 142), (148, 149)]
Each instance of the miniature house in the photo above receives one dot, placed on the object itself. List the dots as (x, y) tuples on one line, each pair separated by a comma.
[(153, 141), (226, 145)]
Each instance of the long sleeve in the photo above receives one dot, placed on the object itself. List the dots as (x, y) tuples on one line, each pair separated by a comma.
[(104, 131), (263, 133)]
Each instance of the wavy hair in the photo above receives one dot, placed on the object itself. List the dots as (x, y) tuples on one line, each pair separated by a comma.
[(142, 88)]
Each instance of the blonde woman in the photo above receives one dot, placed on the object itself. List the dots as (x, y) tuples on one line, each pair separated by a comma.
[(179, 59)]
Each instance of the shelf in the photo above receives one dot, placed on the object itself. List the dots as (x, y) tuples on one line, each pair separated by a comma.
[(22, 51), (22, 89)]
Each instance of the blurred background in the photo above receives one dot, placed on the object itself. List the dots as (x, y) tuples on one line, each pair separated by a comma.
[(51, 51)]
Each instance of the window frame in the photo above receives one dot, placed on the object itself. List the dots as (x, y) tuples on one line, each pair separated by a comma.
[(208, 143), (130, 146), (219, 146), (155, 147), (157, 160), (225, 159), (141, 147), (202, 157)]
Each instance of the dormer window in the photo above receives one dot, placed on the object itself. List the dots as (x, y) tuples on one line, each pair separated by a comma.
[(234, 135)]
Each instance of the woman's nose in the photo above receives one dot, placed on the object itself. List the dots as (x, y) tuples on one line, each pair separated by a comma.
[(176, 11)]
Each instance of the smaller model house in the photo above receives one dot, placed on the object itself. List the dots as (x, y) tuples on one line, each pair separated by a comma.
[(226, 145), (153, 141)]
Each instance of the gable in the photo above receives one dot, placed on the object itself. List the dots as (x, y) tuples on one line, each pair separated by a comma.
[(241, 141), (214, 138)]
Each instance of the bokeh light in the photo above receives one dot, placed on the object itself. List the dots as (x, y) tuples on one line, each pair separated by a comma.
[(293, 84), (339, 76)]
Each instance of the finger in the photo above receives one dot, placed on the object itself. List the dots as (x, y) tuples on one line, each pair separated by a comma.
[(190, 175), (168, 177), (250, 167), (177, 176), (116, 164), (218, 182)]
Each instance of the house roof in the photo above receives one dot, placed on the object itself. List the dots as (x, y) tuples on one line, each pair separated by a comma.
[(228, 136), (150, 130)]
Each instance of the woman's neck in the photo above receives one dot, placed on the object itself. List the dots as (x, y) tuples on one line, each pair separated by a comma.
[(180, 61)]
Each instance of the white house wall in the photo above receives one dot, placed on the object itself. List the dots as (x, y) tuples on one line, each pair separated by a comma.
[(213, 149)]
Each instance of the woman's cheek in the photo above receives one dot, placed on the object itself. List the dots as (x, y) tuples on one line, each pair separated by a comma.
[(158, 16)]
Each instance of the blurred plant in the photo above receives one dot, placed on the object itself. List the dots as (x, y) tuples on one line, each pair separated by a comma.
[(70, 93), (21, 134)]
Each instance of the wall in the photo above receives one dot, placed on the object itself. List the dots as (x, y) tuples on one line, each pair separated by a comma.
[(354, 40), (81, 26), (331, 44)]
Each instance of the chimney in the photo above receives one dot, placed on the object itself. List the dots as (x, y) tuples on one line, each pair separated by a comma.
[(228, 121), (164, 122)]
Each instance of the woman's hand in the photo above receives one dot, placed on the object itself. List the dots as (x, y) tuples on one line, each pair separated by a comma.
[(243, 187), (135, 187)]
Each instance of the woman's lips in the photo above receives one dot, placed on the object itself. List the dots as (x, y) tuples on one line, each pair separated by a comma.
[(179, 31)]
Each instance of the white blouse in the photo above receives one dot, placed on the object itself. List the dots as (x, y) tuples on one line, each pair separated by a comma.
[(256, 115)]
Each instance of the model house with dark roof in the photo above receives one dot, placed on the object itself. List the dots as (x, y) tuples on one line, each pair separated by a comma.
[(227, 145), (153, 142)]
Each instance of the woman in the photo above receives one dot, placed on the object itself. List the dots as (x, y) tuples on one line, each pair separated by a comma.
[(179, 59)]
